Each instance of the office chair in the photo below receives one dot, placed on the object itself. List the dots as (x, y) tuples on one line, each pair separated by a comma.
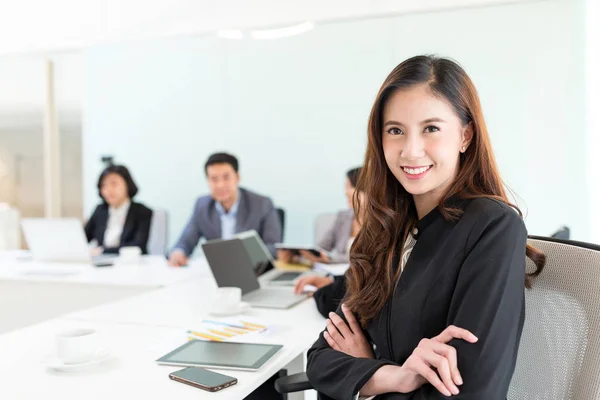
[(559, 353), (323, 224), (563, 233), (158, 238), (281, 215)]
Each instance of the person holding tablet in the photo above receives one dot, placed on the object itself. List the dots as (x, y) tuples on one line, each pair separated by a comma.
[(338, 240)]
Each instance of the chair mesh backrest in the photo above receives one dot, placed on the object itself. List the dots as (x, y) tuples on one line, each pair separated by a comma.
[(559, 353)]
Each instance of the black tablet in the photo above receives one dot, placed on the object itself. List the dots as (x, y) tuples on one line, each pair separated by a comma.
[(295, 249), (221, 355)]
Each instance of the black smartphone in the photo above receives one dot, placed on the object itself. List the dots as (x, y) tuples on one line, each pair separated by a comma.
[(203, 379)]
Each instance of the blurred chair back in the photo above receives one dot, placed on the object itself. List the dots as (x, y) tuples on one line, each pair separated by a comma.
[(563, 233), (323, 223), (157, 240), (281, 215), (559, 353), (10, 230)]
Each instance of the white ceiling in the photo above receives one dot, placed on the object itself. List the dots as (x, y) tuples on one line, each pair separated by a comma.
[(50, 25)]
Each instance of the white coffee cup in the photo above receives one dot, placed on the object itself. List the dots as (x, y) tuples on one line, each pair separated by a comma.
[(130, 255), (227, 299), (76, 346)]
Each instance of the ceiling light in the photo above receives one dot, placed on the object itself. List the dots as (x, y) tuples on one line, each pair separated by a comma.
[(282, 32), (230, 34)]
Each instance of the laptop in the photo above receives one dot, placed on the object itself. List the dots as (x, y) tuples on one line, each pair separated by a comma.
[(263, 261), (232, 265), (60, 240)]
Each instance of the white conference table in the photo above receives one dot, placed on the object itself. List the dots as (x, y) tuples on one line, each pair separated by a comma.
[(151, 271), (32, 292), (137, 330)]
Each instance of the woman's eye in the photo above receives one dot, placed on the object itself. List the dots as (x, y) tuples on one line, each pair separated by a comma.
[(431, 129), (395, 131)]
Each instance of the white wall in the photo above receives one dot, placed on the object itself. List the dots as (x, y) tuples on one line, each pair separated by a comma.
[(295, 110), (73, 24), (22, 82), (592, 49)]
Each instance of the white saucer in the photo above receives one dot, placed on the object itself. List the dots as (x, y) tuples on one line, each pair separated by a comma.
[(55, 363), (242, 308)]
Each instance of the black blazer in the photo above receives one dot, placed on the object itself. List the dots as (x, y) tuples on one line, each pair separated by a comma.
[(469, 273), (135, 231), (328, 298)]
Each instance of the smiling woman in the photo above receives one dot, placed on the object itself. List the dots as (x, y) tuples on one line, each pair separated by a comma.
[(422, 140), (437, 271)]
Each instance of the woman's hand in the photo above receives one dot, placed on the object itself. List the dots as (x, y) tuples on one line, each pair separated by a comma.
[(434, 361), (317, 281), (322, 258), (96, 251), (347, 338)]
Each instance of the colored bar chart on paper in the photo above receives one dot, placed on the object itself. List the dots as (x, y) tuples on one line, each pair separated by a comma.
[(220, 330)]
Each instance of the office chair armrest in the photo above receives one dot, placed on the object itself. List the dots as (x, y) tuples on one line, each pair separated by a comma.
[(293, 383)]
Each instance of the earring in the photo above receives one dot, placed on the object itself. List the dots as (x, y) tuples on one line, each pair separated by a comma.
[(462, 150)]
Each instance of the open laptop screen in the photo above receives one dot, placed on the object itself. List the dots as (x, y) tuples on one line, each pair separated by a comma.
[(257, 251), (230, 264)]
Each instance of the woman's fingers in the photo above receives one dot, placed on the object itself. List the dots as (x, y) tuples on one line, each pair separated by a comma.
[(449, 353), (454, 332), (352, 322), (442, 366), (432, 377), (340, 324), (331, 342), (334, 333)]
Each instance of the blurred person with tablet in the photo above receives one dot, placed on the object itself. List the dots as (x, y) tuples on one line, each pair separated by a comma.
[(337, 241)]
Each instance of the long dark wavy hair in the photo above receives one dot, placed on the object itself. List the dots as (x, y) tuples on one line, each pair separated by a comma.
[(389, 210)]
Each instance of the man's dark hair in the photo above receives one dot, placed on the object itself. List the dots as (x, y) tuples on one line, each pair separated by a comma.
[(221, 158)]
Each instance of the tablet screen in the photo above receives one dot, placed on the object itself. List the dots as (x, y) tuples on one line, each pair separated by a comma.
[(221, 354)]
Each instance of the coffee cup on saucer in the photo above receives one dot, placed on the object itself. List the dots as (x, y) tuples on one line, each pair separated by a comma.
[(77, 346), (228, 301), (130, 255)]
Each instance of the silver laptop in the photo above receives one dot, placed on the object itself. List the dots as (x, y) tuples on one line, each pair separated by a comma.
[(232, 265), (59, 240), (263, 261)]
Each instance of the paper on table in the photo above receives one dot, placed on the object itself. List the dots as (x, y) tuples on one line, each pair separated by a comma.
[(240, 329), (333, 269), (291, 266)]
